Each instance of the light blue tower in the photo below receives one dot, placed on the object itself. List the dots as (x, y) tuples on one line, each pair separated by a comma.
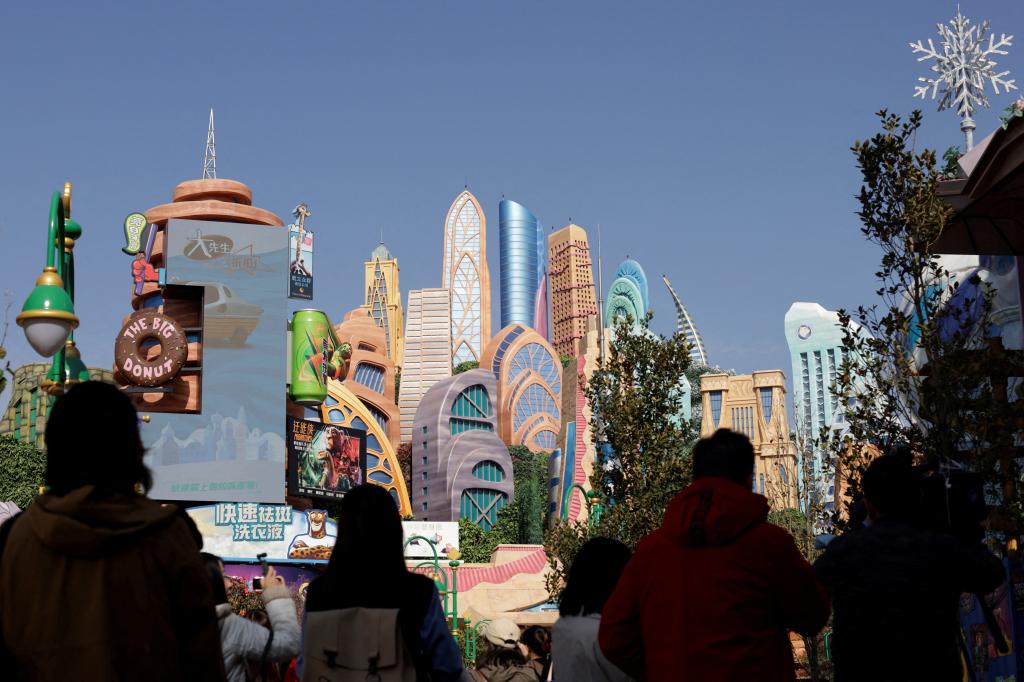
[(628, 295), (518, 240), (815, 342)]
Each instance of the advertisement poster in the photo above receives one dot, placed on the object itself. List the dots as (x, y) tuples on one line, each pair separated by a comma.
[(420, 535), (234, 449), (300, 266), (324, 461), (239, 531)]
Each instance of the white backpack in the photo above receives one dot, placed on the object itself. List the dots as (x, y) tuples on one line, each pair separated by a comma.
[(355, 645)]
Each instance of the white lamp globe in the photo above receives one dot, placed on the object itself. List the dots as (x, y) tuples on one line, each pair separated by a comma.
[(47, 335)]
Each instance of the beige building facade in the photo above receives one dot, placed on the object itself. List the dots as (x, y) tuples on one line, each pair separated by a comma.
[(384, 300), (428, 351), (755, 405), (573, 300)]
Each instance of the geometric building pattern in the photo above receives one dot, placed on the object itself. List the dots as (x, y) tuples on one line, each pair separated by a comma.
[(755, 405), (529, 376), (466, 274), (572, 288), (521, 272), (428, 350), (686, 325), (384, 299), (460, 467)]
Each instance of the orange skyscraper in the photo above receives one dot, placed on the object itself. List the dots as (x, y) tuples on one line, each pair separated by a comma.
[(572, 287)]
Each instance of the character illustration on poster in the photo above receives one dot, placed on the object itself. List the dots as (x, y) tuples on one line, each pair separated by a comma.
[(317, 542), (325, 461), (339, 462)]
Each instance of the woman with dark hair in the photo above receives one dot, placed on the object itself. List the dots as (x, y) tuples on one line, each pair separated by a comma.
[(367, 583), (575, 654), (249, 645), (99, 582), (538, 649)]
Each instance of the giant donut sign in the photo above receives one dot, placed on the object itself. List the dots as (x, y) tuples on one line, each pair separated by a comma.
[(131, 355)]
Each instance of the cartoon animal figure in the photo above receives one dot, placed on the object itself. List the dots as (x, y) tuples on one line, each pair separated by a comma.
[(317, 542)]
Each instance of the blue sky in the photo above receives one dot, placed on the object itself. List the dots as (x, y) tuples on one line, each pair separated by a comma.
[(710, 141)]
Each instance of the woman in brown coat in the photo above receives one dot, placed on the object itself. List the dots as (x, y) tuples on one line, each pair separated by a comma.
[(97, 581)]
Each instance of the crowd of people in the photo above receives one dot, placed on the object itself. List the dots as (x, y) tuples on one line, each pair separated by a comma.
[(99, 582)]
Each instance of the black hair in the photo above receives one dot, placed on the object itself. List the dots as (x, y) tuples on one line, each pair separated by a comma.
[(593, 576), (537, 640), (499, 656), (724, 454), (92, 438), (890, 487), (369, 536), (215, 575)]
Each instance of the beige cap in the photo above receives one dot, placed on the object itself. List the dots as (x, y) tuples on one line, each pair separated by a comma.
[(502, 632)]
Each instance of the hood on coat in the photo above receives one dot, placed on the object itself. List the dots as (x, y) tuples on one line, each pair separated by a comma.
[(90, 523), (713, 511)]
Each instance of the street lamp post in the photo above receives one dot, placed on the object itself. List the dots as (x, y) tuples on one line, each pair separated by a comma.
[(48, 315), (592, 498)]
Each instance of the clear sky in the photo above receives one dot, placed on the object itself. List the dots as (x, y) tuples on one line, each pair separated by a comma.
[(710, 140)]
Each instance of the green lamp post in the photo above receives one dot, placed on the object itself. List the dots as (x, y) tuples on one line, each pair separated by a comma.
[(48, 315)]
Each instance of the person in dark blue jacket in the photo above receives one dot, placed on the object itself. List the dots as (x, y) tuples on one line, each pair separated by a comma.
[(367, 569)]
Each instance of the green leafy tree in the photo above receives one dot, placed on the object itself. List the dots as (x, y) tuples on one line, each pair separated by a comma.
[(914, 369), (22, 471), (465, 366), (634, 397)]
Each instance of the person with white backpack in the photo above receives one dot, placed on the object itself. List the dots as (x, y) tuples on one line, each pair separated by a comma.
[(369, 617)]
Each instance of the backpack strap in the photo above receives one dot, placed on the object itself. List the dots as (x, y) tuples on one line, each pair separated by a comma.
[(266, 652)]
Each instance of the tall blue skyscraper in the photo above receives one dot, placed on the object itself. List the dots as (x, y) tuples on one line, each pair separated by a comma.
[(518, 241)]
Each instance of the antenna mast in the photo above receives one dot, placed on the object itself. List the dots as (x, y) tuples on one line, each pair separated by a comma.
[(210, 157)]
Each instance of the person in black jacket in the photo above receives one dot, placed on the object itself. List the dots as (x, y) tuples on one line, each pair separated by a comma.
[(367, 569), (896, 586)]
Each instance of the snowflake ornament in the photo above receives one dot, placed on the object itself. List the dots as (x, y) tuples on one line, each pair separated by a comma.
[(962, 67)]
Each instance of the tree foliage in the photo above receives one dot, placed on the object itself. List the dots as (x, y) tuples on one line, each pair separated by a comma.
[(910, 371), (646, 450), (22, 471), (465, 366)]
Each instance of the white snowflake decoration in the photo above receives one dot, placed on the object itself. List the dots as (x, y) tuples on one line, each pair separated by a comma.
[(962, 67)]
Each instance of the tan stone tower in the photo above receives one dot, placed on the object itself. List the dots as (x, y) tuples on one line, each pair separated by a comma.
[(384, 299), (572, 287)]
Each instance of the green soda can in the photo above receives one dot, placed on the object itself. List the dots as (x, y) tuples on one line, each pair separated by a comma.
[(312, 346)]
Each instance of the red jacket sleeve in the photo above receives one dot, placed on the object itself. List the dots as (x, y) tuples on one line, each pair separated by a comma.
[(802, 599), (621, 635)]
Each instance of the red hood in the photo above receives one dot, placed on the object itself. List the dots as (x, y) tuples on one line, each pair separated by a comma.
[(713, 511)]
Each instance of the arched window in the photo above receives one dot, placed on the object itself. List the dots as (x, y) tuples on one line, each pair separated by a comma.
[(545, 439), (370, 376), (481, 506), (488, 471), (534, 400), (534, 356), (472, 402)]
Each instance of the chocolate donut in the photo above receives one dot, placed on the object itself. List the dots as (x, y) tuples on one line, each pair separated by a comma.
[(130, 356)]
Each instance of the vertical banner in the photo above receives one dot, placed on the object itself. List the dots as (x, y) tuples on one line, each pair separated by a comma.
[(300, 254), (324, 461), (234, 449)]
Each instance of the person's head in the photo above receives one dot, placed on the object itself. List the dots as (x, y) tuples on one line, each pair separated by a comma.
[(215, 575), (502, 647), (725, 454), (889, 488), (537, 641), (92, 438), (593, 575), (369, 535)]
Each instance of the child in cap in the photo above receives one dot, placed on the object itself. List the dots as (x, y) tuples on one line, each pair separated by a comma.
[(503, 658)]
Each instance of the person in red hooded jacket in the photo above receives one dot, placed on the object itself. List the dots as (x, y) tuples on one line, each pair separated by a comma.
[(714, 592)]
